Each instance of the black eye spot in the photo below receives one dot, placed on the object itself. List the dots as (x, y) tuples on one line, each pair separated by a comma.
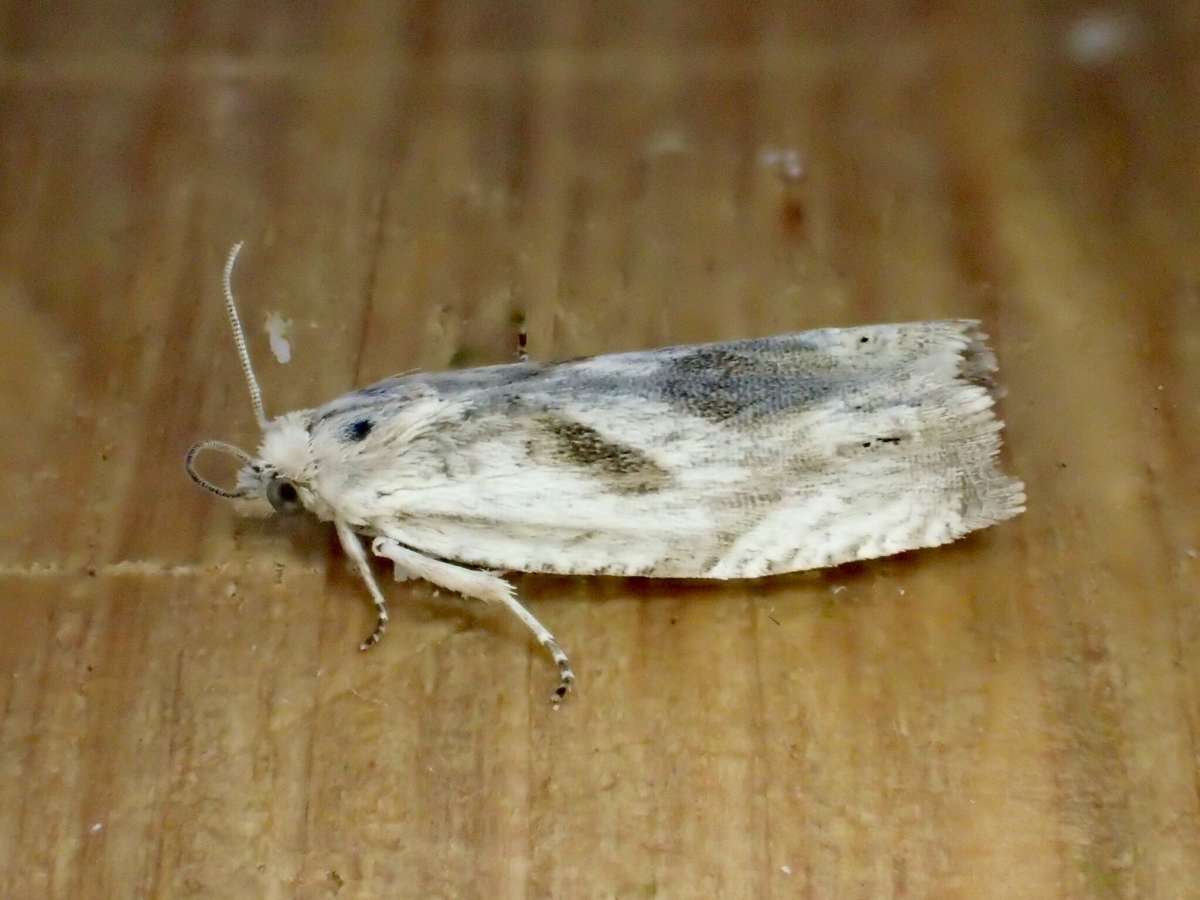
[(287, 492), (356, 431), (863, 340)]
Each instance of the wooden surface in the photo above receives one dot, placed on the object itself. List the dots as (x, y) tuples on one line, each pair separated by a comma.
[(183, 712)]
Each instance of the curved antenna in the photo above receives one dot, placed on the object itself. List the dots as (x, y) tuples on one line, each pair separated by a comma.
[(189, 463), (239, 338)]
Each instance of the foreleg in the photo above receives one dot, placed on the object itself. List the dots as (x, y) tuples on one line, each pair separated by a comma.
[(354, 549)]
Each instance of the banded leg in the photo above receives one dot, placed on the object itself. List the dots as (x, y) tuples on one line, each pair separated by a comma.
[(482, 586), (354, 549)]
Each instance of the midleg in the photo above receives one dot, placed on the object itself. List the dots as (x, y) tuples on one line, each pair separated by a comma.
[(482, 586)]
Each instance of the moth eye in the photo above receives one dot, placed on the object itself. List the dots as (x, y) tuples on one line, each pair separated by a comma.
[(283, 495)]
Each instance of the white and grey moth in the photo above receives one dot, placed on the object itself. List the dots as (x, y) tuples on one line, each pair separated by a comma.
[(727, 460)]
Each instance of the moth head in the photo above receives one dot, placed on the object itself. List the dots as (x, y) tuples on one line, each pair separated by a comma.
[(278, 477)]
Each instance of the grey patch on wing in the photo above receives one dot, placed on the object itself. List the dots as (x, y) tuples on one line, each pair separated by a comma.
[(626, 469), (400, 390), (724, 385), (366, 400), (978, 361), (454, 383), (380, 388)]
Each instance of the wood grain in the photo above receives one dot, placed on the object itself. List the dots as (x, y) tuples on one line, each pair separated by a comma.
[(183, 712)]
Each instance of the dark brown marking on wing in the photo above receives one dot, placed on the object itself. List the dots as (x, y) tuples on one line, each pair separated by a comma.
[(626, 469)]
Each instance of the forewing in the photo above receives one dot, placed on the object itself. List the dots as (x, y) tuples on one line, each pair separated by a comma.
[(720, 460)]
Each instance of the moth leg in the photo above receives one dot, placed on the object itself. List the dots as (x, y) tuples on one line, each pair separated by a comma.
[(482, 586), (354, 549)]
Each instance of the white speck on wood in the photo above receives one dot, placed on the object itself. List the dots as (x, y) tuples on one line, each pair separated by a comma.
[(667, 142), (1101, 36), (277, 329), (786, 161)]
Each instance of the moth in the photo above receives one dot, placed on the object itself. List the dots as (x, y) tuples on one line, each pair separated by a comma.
[(713, 461)]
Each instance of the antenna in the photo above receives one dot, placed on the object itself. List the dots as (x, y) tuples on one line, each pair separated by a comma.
[(240, 455), (239, 338)]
